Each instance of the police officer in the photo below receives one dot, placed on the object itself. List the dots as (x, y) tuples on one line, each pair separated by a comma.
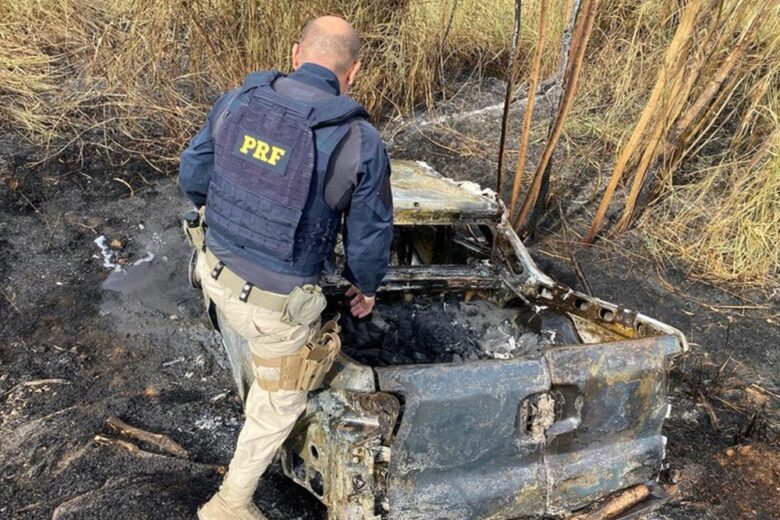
[(282, 165)]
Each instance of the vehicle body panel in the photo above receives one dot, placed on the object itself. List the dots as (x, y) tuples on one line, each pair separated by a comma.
[(461, 451), (422, 196)]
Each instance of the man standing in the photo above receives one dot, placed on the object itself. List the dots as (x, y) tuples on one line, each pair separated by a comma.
[(281, 164)]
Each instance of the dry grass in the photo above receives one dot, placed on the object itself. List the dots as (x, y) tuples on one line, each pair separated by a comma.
[(690, 117), (725, 223), (134, 78), (582, 30), (139, 76), (525, 133)]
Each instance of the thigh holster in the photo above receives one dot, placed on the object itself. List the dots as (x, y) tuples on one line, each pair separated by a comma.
[(305, 369)]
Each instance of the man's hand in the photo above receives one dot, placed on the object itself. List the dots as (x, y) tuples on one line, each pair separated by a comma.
[(361, 305)]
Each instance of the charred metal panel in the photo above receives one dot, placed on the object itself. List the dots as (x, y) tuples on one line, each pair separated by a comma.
[(611, 402), (239, 355), (494, 439), (581, 477), (463, 449), (426, 278), (423, 196), (339, 451), (504, 439), (346, 374), (596, 319)]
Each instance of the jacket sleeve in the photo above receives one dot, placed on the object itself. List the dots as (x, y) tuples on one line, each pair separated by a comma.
[(197, 161), (368, 226)]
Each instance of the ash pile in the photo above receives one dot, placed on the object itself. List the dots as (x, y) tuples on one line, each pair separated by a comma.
[(450, 330)]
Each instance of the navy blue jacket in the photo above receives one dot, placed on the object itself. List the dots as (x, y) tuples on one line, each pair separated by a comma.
[(358, 177)]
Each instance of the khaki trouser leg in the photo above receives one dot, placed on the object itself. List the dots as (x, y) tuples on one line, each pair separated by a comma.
[(270, 416)]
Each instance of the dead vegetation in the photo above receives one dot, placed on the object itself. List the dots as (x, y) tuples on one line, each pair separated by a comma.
[(617, 504), (138, 77), (707, 139), (743, 410), (677, 103), (163, 442)]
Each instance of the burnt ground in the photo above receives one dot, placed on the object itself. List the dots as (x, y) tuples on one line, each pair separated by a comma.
[(80, 342)]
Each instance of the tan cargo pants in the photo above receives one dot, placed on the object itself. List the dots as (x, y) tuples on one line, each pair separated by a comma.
[(270, 416)]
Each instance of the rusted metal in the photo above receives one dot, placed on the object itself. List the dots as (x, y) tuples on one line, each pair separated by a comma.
[(340, 450), (461, 450), (423, 196), (597, 319), (468, 447), (427, 278)]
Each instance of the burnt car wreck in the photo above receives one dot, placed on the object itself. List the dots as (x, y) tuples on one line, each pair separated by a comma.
[(481, 388)]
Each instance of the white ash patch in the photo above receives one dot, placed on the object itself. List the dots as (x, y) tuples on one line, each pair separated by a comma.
[(108, 255)]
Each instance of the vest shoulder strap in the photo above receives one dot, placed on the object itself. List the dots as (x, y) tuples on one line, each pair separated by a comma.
[(326, 113), (251, 81), (331, 112), (260, 79)]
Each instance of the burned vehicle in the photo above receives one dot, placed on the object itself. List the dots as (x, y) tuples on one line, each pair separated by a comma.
[(480, 387)]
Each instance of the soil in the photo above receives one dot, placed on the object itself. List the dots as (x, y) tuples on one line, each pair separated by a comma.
[(80, 342)]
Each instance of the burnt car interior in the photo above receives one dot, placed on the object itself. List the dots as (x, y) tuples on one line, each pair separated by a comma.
[(463, 314), (448, 295)]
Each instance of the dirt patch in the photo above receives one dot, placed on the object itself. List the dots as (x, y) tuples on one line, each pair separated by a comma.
[(752, 471)]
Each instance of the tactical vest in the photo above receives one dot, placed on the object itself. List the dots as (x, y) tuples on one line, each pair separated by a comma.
[(266, 195)]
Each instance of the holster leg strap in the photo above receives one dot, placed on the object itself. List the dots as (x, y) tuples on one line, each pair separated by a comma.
[(305, 369)]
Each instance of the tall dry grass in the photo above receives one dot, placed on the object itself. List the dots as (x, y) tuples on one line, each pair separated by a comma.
[(700, 142), (138, 76), (134, 78), (723, 217)]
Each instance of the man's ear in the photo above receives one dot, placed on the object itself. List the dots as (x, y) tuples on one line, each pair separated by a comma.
[(296, 56), (353, 72)]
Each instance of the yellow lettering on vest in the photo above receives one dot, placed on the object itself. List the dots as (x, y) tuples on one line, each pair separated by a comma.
[(249, 143), (276, 154), (261, 152)]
